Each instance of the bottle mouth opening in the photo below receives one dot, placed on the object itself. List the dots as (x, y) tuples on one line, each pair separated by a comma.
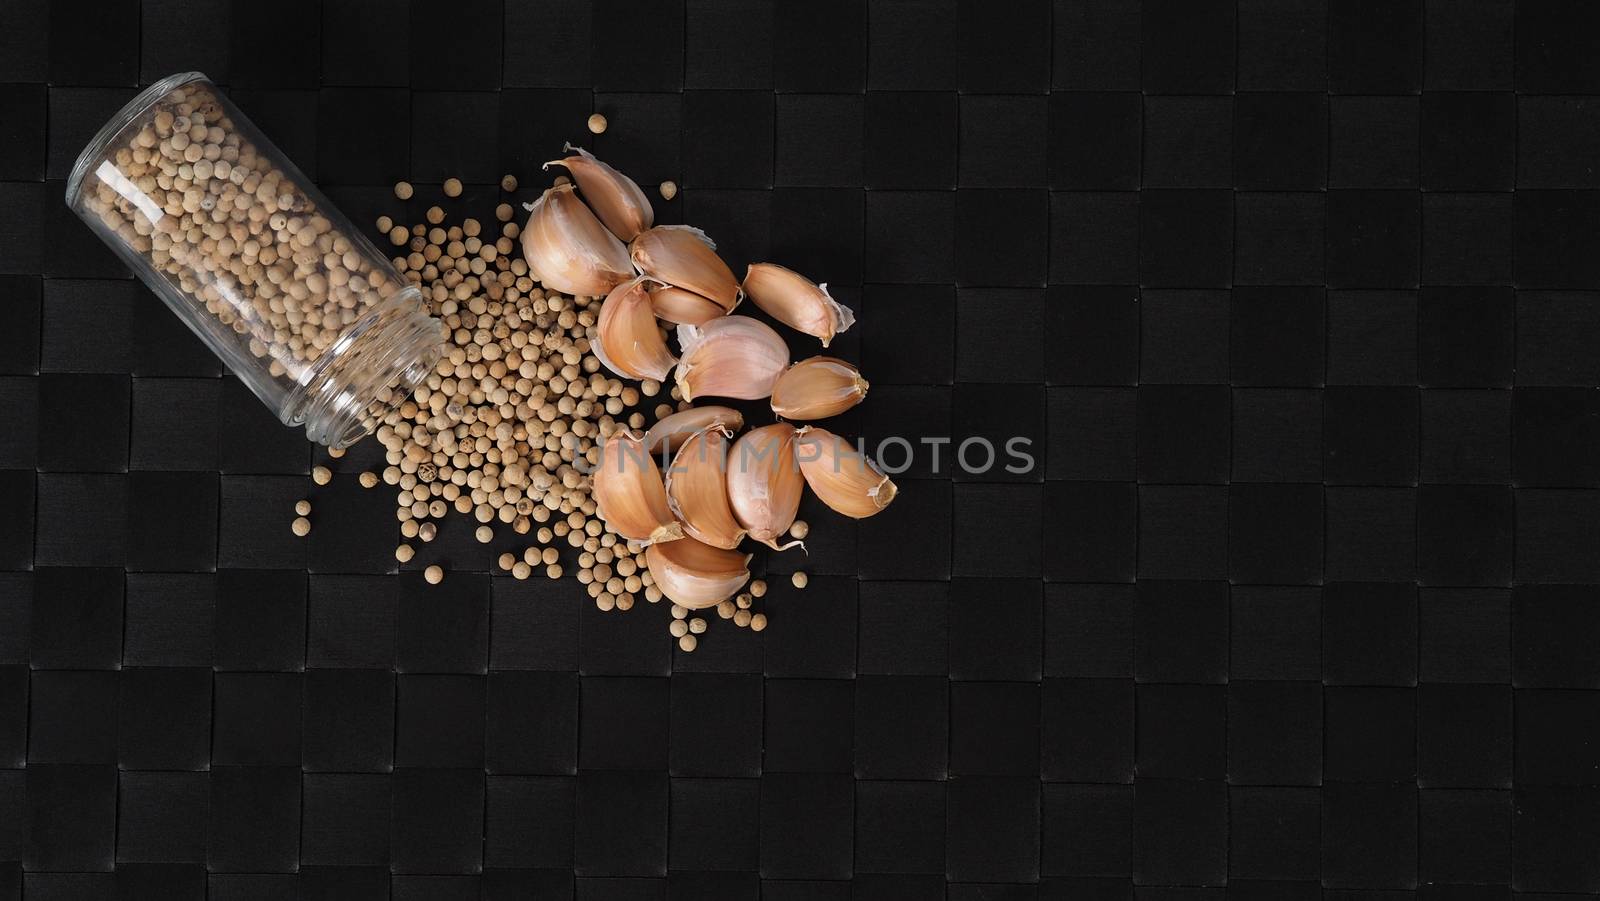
[(372, 369), (131, 112)]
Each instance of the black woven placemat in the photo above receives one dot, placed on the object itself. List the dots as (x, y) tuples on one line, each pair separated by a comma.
[(1295, 299)]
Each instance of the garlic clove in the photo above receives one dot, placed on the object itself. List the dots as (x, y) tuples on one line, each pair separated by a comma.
[(797, 302), (629, 494), (627, 339), (764, 483), (817, 388), (615, 198), (731, 356), (685, 258), (681, 307), (567, 248), (672, 431), (697, 489), (696, 575), (840, 474)]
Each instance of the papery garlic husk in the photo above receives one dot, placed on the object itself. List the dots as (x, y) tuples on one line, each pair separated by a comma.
[(697, 489), (684, 257), (841, 475), (817, 388), (796, 301), (672, 431), (764, 484), (615, 198), (693, 574), (567, 248), (628, 492), (731, 356), (627, 339), (681, 307)]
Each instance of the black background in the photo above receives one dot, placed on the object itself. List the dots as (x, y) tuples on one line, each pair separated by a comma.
[(1295, 297)]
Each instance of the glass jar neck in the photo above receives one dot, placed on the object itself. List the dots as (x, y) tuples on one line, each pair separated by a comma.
[(372, 370)]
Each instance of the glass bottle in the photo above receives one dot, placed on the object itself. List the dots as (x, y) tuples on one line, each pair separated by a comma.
[(255, 260)]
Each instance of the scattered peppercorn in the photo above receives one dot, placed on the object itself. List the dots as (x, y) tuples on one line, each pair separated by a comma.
[(321, 475), (669, 190), (800, 579), (508, 183), (403, 190), (302, 508), (368, 480), (758, 588), (452, 187), (688, 643), (597, 123), (434, 574), (758, 622), (301, 526), (799, 529), (404, 553)]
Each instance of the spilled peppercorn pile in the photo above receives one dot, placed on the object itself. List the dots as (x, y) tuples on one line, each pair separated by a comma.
[(532, 418)]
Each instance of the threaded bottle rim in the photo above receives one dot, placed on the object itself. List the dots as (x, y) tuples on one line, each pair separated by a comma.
[(373, 369)]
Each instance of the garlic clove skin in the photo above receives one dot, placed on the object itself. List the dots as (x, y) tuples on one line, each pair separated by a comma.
[(840, 475), (616, 199), (568, 250), (796, 301), (629, 494), (684, 257), (817, 388), (696, 575), (627, 339), (681, 307), (764, 483), (731, 356), (672, 431), (697, 489)]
